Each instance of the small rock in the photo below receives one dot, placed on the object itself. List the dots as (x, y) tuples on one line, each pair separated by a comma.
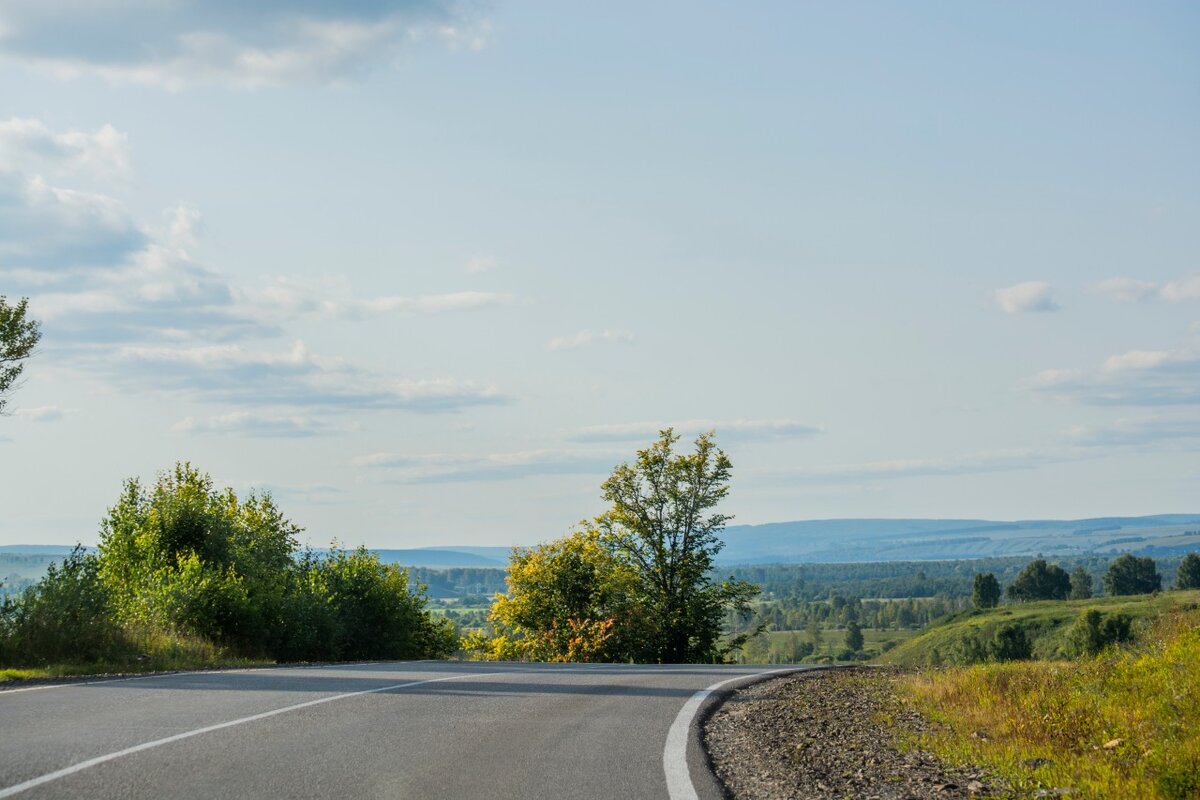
[(975, 787), (982, 735), (1113, 744)]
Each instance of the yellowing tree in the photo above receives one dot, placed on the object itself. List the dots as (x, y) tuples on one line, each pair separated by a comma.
[(567, 600), (636, 586)]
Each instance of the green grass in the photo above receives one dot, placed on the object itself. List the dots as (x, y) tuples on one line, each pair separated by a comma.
[(1047, 623), (155, 650), (1125, 724)]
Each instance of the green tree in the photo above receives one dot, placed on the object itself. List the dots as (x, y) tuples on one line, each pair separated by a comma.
[(662, 524), (1092, 632), (1081, 584), (188, 556), (1129, 574), (1010, 643), (1040, 581), (1188, 575), (985, 592), (854, 636), (567, 600), (64, 618), (19, 335)]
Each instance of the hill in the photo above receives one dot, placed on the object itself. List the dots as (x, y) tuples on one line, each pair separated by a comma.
[(859, 540), (1045, 623)]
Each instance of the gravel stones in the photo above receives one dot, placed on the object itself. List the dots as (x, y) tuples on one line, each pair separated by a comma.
[(827, 734)]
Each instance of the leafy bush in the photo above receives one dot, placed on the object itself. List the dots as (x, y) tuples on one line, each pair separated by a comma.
[(1093, 632), (188, 571), (64, 617)]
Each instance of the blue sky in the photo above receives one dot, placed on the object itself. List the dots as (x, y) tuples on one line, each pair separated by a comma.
[(427, 270)]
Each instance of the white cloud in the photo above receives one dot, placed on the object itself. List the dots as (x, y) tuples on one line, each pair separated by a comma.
[(28, 145), (1130, 290), (1136, 377), (442, 468), (587, 338), (970, 464), (1127, 290), (1025, 297), (247, 45), (1182, 290), (253, 424), (1158, 430), (332, 299), (41, 413), (727, 430), (233, 374)]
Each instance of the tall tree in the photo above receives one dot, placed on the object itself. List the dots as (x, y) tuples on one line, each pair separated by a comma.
[(1081, 583), (1188, 575), (662, 523), (985, 593), (1129, 574), (19, 336), (1040, 581)]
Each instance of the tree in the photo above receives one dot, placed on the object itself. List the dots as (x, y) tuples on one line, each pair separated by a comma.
[(854, 636), (1188, 576), (19, 336), (567, 600), (661, 524), (1129, 574), (985, 592), (1040, 581), (1010, 643), (1093, 632), (189, 556), (1081, 584)]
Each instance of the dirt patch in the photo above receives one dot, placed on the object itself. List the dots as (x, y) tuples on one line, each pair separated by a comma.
[(828, 734)]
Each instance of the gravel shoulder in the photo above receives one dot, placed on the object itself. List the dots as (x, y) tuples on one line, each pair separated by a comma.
[(827, 734)]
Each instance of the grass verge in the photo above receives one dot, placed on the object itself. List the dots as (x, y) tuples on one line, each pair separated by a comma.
[(1125, 724), (150, 650)]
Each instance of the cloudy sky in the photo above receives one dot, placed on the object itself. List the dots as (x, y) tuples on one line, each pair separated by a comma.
[(427, 270)]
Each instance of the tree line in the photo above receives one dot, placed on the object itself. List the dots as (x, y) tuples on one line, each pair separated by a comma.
[(183, 561), (1126, 575)]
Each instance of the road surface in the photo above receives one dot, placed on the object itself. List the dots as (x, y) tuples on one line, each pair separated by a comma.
[(422, 729)]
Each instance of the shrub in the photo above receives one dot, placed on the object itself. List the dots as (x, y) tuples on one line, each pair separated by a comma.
[(1093, 632), (1010, 643), (63, 618)]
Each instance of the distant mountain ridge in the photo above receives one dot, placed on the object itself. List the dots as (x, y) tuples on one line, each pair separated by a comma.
[(855, 540), (861, 540)]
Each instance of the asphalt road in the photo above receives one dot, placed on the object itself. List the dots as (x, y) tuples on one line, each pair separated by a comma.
[(387, 730)]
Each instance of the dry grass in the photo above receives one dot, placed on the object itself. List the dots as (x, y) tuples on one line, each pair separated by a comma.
[(1125, 724)]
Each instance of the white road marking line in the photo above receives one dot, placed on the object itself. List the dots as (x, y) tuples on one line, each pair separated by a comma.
[(675, 766), (92, 762), (233, 671)]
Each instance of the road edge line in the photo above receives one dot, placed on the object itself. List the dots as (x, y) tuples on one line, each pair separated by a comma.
[(675, 762)]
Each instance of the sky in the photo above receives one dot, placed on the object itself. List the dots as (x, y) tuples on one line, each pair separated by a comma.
[(427, 270)]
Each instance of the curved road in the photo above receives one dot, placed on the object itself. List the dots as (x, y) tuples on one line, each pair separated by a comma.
[(421, 729)]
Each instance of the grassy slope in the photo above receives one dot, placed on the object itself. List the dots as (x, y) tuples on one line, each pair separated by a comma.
[(1047, 622), (1124, 724)]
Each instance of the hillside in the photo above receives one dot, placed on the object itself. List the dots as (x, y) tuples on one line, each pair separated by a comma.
[(843, 540), (1046, 623)]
